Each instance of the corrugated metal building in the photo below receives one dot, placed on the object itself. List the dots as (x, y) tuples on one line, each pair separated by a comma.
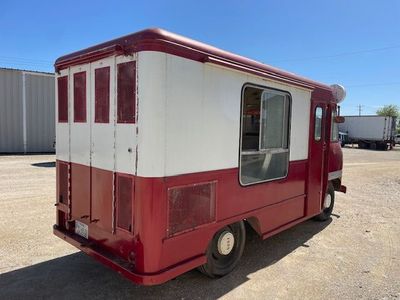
[(27, 108)]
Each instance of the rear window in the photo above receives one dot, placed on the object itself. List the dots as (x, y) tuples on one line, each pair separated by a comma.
[(126, 92), (102, 95), (62, 87), (80, 97)]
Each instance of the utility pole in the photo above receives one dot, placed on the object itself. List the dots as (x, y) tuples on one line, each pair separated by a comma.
[(359, 109)]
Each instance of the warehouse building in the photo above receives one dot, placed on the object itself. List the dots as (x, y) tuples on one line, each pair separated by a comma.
[(27, 108)]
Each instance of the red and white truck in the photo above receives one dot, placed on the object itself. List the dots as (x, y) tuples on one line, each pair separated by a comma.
[(166, 146)]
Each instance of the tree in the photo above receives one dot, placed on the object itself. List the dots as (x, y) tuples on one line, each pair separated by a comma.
[(390, 110)]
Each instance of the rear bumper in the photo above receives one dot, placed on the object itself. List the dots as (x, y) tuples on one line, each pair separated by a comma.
[(124, 267)]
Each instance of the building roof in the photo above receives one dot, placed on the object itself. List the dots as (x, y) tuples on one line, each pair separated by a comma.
[(24, 70), (164, 41)]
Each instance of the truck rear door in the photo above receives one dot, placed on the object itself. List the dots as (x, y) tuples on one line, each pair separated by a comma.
[(102, 145), (102, 137), (79, 137)]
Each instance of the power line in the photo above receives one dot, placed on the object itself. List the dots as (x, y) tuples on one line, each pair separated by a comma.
[(373, 84), (12, 58), (11, 65), (22, 62), (338, 54)]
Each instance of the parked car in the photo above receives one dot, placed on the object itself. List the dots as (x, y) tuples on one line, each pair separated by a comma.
[(397, 139), (343, 138)]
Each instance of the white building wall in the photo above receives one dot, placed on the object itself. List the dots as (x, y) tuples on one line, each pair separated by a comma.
[(26, 111), (39, 106)]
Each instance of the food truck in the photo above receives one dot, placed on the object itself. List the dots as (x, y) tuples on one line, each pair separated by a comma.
[(166, 147)]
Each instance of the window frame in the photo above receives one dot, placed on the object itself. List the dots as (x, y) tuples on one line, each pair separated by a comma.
[(269, 150)]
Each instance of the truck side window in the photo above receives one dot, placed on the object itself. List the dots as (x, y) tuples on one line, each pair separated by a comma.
[(264, 151), (334, 128), (318, 123)]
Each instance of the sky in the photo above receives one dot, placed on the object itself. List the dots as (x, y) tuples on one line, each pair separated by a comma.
[(354, 43)]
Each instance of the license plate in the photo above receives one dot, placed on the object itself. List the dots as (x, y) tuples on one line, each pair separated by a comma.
[(81, 229)]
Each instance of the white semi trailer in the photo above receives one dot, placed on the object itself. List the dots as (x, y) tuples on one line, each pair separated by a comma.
[(373, 132)]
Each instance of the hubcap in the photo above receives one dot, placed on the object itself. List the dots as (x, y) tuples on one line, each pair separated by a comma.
[(327, 201), (226, 241)]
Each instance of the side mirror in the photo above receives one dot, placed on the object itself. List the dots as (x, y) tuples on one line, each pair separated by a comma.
[(339, 119)]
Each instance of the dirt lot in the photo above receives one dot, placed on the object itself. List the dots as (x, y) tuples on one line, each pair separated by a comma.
[(354, 255)]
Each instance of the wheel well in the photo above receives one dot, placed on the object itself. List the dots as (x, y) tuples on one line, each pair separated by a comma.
[(254, 224), (336, 184)]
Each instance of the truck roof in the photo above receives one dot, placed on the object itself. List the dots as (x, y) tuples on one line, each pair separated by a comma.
[(161, 40)]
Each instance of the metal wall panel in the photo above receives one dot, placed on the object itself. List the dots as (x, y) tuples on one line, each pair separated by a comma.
[(40, 112), (11, 118), (27, 112)]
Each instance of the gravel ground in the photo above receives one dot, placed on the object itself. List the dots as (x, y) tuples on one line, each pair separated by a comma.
[(354, 255)]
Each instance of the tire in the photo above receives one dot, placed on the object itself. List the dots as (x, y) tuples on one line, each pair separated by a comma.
[(373, 146), (382, 146), (362, 145), (327, 211), (219, 264)]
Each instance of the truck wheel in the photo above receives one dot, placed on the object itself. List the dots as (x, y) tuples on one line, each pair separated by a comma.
[(327, 205), (225, 250), (372, 146)]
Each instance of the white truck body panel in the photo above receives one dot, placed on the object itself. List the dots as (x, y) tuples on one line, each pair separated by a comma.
[(189, 115), (368, 128), (188, 118)]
